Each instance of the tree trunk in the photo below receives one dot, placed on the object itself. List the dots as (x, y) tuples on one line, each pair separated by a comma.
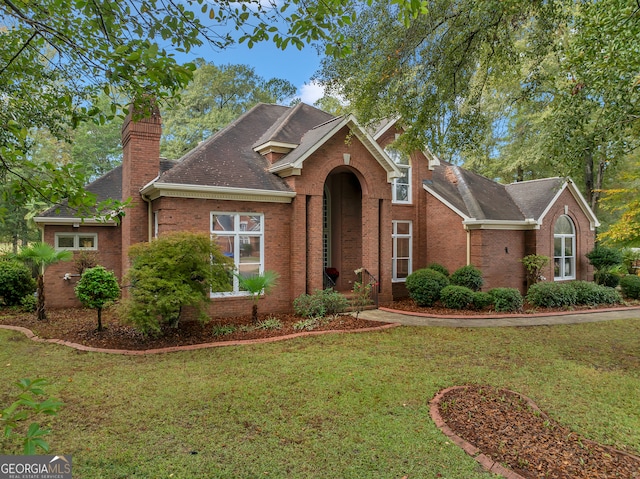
[(588, 176), (99, 319), (42, 314), (254, 313)]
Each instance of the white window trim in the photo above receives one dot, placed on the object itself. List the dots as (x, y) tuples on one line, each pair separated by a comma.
[(562, 257), (76, 241), (235, 234), (394, 257), (394, 191)]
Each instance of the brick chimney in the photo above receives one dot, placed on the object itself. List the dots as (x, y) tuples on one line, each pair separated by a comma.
[(140, 164)]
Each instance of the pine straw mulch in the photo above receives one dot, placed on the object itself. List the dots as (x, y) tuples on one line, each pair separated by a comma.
[(511, 430), (79, 326)]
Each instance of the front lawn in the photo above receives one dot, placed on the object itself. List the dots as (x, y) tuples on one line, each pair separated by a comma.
[(337, 406)]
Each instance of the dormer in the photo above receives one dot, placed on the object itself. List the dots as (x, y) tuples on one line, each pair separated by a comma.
[(274, 150)]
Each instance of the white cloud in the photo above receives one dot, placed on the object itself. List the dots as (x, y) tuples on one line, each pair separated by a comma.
[(311, 92)]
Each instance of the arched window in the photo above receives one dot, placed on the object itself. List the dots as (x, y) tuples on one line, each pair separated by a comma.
[(402, 185), (564, 249)]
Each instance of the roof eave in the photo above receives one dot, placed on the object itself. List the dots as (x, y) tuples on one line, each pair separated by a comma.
[(582, 203), (71, 221), (156, 190)]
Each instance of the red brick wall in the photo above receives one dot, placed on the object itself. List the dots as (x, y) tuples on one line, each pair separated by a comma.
[(447, 239), (497, 253), (60, 293), (585, 237)]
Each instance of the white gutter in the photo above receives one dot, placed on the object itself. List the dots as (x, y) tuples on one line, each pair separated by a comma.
[(156, 190)]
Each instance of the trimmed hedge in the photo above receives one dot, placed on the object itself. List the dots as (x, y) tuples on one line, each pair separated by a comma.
[(456, 297), (439, 268), (552, 295), (630, 286), (424, 286), (482, 300), (506, 299), (593, 294), (468, 276)]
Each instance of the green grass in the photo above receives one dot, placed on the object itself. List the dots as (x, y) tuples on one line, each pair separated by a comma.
[(333, 406)]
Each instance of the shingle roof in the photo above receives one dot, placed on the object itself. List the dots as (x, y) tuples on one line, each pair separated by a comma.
[(227, 158), (293, 124), (483, 199)]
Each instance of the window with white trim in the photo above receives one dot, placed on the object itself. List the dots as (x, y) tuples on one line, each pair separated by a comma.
[(402, 247), (564, 249), (240, 236), (401, 192), (76, 241)]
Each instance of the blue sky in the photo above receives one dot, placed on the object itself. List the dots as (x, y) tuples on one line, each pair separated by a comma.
[(297, 66)]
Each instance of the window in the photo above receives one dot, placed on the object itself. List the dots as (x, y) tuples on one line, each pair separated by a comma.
[(240, 237), (564, 249), (401, 250), (76, 241), (402, 185)]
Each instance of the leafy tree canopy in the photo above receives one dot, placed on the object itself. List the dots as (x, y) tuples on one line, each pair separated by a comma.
[(57, 56), (517, 90)]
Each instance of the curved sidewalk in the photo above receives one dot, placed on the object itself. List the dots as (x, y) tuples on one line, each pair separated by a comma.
[(419, 319)]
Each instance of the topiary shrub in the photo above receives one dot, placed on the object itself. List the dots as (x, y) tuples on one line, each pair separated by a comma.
[(592, 294), (16, 282), (439, 268), (424, 286), (456, 297), (506, 299), (630, 286), (468, 276), (96, 289), (482, 300), (552, 295)]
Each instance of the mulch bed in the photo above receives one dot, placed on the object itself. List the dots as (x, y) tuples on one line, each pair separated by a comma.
[(79, 326), (507, 428)]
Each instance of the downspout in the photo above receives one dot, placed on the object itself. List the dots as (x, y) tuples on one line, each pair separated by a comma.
[(468, 245), (146, 199)]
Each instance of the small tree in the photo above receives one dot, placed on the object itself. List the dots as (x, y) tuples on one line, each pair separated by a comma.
[(97, 287), (170, 273), (604, 260), (42, 255), (534, 264), (258, 284)]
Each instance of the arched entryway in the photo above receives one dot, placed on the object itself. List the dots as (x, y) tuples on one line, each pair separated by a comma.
[(342, 226)]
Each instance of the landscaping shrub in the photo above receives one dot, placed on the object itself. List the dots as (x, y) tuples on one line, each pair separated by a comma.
[(16, 282), (630, 286), (321, 303), (592, 294), (552, 295), (456, 297), (439, 268), (468, 276), (269, 324), (97, 288), (604, 260), (482, 300), (424, 286), (534, 264), (170, 273), (309, 324), (28, 303), (506, 299)]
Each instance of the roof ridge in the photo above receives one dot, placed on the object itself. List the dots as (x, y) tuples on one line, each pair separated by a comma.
[(470, 201)]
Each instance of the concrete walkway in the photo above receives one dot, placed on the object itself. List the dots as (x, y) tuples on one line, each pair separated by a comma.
[(418, 319)]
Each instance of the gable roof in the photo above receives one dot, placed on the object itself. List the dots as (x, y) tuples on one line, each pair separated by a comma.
[(483, 203)]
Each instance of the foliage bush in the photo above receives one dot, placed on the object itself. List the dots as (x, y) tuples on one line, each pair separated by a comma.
[(309, 324), (629, 258), (604, 260), (269, 324), (468, 276), (170, 273), (506, 299), (456, 297), (327, 302), (482, 299), (29, 303), (592, 294), (16, 282), (97, 288), (439, 268), (552, 295), (630, 286), (223, 329), (534, 264), (424, 286)]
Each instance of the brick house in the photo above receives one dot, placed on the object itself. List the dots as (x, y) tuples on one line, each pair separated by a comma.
[(297, 190)]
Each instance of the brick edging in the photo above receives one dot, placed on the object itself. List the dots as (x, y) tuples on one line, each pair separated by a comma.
[(190, 347), (507, 315)]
